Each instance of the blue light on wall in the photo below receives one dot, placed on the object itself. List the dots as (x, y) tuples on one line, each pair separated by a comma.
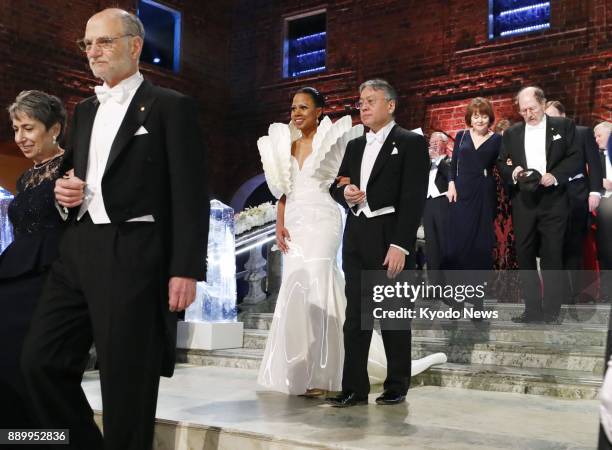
[(515, 17), (305, 45), (162, 45)]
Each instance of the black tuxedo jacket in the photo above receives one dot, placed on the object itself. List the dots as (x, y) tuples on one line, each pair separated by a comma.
[(162, 173), (563, 156), (443, 174), (585, 139), (399, 178)]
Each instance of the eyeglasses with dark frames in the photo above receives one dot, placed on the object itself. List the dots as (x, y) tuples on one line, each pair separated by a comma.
[(104, 42)]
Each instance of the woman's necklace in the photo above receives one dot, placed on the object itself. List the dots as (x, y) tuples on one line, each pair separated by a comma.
[(44, 163)]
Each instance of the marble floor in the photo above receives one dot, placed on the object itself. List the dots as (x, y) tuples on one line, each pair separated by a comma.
[(221, 408)]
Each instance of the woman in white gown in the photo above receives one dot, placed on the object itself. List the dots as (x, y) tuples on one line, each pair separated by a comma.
[(304, 351)]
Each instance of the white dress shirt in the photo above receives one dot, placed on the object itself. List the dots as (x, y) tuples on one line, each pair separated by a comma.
[(535, 146), (432, 189), (370, 153), (372, 149), (109, 117)]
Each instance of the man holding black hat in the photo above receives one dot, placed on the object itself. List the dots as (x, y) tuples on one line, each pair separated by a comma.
[(545, 146)]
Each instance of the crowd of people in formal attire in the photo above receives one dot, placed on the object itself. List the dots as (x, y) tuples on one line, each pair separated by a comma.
[(114, 228), (553, 215), (544, 165)]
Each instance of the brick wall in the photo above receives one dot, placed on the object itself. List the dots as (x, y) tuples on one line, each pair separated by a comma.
[(436, 53)]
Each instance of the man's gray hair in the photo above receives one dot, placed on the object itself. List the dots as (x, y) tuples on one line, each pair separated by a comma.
[(439, 134), (380, 85), (132, 25), (607, 125), (538, 93)]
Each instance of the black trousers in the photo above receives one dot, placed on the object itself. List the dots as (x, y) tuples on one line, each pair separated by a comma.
[(18, 297), (365, 245), (105, 288), (575, 235), (435, 223), (540, 219)]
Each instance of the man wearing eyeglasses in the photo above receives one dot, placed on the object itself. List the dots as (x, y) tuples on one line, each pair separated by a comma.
[(546, 146), (388, 169), (137, 208)]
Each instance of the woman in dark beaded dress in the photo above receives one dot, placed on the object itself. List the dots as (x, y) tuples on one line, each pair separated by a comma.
[(38, 121)]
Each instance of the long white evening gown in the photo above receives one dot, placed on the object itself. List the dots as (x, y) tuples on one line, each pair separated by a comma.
[(305, 348)]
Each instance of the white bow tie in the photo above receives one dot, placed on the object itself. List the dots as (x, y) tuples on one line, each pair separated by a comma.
[(119, 94), (374, 137)]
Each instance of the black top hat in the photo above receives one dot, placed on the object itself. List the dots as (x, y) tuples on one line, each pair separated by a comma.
[(529, 179)]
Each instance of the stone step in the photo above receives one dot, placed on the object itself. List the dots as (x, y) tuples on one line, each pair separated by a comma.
[(536, 355), (563, 383), (568, 334), (588, 359), (587, 314), (571, 314), (468, 332), (568, 384), (242, 358)]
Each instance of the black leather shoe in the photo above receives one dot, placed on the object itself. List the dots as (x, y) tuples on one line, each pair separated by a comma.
[(390, 398), (346, 399), (526, 318)]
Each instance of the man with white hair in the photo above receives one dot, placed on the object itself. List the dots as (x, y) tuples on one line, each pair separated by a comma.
[(539, 156), (435, 216)]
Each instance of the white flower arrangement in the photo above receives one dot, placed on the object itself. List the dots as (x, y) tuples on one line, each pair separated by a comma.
[(254, 216)]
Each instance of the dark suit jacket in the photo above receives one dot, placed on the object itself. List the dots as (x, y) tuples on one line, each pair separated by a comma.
[(443, 174), (585, 139), (399, 180), (162, 173), (563, 155)]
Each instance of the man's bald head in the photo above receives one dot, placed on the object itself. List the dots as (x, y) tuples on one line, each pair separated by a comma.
[(113, 43), (130, 22), (531, 102)]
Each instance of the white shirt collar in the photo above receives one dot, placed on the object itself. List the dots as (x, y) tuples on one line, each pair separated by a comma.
[(129, 84), (540, 126), (384, 131)]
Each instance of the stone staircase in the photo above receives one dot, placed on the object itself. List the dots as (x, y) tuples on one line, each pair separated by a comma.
[(563, 360)]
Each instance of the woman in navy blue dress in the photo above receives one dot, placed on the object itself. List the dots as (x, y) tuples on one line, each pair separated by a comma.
[(471, 191)]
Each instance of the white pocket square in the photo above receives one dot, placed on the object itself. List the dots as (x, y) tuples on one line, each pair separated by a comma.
[(141, 130), (395, 151), (556, 136)]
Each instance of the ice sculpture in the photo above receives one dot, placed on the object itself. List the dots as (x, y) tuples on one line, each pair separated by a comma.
[(216, 297), (6, 229)]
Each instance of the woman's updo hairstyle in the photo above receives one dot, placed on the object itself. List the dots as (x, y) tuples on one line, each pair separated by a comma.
[(317, 97)]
